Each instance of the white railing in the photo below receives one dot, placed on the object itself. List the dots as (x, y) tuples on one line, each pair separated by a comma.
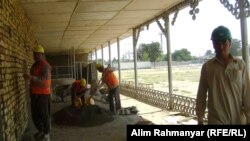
[(185, 105)]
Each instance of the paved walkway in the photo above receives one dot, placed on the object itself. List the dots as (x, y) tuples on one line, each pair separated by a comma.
[(157, 115), (110, 131)]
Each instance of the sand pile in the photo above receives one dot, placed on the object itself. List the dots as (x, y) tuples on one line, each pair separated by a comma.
[(91, 115)]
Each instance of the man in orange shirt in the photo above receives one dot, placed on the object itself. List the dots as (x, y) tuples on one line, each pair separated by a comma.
[(40, 81), (109, 78)]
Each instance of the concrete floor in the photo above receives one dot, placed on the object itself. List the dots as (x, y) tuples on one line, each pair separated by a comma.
[(110, 131)]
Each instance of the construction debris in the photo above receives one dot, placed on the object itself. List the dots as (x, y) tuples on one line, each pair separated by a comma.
[(143, 121), (128, 111), (91, 115)]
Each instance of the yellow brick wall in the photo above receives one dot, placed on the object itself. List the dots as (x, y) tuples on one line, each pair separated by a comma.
[(16, 41)]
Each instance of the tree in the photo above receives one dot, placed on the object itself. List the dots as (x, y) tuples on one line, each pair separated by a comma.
[(150, 51), (145, 56), (165, 57), (99, 61), (181, 55), (208, 53), (140, 53), (115, 60), (235, 49)]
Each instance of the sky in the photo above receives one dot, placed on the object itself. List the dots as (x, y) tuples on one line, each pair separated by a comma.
[(186, 32)]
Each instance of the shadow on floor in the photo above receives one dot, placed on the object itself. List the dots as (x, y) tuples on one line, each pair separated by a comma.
[(87, 124)]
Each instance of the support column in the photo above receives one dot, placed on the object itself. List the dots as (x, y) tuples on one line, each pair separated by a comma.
[(95, 54), (91, 56), (102, 56), (244, 34), (87, 73), (166, 32), (74, 62), (241, 11), (96, 60), (71, 65), (80, 70), (68, 64), (109, 54), (119, 61), (136, 33)]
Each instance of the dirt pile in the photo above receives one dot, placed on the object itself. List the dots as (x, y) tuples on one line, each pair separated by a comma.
[(143, 121), (87, 116)]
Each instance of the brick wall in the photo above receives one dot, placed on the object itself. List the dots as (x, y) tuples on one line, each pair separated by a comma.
[(16, 41)]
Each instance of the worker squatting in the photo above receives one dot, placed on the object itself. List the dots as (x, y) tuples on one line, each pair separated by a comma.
[(158, 133)]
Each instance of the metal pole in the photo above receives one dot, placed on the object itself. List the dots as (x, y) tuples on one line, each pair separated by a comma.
[(95, 54), (109, 53), (71, 66), (80, 69), (96, 61), (119, 61), (135, 56), (88, 65), (76, 67), (91, 59), (169, 56), (102, 55), (68, 66), (73, 63), (244, 34)]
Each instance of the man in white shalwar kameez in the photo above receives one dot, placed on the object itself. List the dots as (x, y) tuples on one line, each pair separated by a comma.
[(224, 87)]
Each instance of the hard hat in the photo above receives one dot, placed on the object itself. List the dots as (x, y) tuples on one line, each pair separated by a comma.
[(83, 82), (39, 49), (221, 33), (98, 65)]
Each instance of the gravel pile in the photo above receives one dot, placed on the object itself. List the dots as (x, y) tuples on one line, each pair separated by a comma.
[(92, 115)]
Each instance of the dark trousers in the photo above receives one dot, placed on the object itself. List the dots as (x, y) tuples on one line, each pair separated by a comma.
[(73, 96), (114, 99), (40, 111)]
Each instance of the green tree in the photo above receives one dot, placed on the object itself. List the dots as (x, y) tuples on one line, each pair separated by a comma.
[(140, 53), (164, 57), (181, 55), (115, 60), (235, 49), (150, 51), (208, 53), (99, 61), (145, 56)]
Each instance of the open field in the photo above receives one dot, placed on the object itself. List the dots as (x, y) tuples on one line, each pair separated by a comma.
[(185, 78)]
